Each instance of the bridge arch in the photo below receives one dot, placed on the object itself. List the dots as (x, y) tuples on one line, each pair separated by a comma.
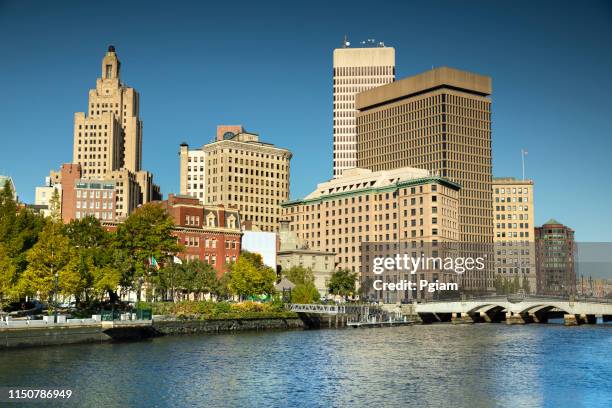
[(544, 307), (487, 307)]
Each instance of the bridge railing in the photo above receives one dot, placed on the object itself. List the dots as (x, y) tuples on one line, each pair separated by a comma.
[(586, 299)]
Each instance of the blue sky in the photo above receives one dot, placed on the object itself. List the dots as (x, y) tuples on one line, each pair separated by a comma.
[(267, 65)]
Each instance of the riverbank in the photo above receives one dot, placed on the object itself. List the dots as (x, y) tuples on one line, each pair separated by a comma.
[(24, 336)]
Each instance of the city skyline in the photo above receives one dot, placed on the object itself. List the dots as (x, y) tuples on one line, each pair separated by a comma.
[(526, 108)]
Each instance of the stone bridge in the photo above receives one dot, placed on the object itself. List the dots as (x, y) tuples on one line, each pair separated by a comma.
[(527, 310)]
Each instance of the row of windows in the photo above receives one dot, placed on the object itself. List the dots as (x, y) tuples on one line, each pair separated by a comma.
[(97, 214), (94, 194)]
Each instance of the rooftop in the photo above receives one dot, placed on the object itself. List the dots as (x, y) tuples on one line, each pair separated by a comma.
[(442, 77), (361, 180)]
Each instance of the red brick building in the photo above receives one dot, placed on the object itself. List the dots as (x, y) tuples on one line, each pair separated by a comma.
[(81, 198), (209, 233)]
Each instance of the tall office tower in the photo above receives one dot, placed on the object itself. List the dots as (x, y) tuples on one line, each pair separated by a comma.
[(109, 135), (107, 144), (364, 212), (239, 171), (439, 120), (355, 70), (555, 254), (513, 232)]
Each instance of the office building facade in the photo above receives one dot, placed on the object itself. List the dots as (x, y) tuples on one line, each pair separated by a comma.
[(555, 253), (513, 231), (439, 120), (355, 70), (239, 171)]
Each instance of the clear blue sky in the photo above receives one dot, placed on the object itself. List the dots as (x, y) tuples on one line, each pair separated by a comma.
[(267, 65)]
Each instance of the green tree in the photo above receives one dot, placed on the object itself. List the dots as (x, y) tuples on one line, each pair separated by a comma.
[(305, 293), (8, 276), (299, 275), (342, 282), (526, 286), (516, 284), (204, 277), (52, 254), (146, 233), (55, 206), (250, 276)]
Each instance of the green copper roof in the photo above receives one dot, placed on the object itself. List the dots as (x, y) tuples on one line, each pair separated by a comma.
[(552, 221), (387, 188)]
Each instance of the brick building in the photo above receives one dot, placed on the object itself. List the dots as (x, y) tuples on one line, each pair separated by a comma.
[(209, 233)]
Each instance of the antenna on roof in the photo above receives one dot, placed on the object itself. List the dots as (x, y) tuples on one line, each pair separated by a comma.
[(346, 43)]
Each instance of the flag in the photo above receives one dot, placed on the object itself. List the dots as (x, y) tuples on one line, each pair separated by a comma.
[(153, 262), (177, 260)]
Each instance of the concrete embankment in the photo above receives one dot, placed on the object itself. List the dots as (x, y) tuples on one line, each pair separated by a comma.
[(61, 334), (22, 337), (170, 327)]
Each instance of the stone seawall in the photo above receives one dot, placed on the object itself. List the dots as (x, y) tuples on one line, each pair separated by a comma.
[(170, 327), (23, 337), (51, 336)]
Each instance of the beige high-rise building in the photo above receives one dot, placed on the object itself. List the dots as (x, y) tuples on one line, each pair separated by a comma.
[(355, 70), (237, 170), (108, 140), (513, 230), (406, 211), (439, 120)]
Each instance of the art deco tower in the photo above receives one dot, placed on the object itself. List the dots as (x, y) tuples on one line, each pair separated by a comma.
[(109, 135), (355, 70)]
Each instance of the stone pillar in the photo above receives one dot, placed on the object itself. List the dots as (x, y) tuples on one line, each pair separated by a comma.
[(514, 318), (571, 320), (461, 318)]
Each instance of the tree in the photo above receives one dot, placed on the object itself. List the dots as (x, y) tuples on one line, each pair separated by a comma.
[(526, 286), (204, 277), (516, 284), (146, 234), (55, 206), (250, 276), (8, 276), (342, 282), (299, 275), (52, 254), (305, 293)]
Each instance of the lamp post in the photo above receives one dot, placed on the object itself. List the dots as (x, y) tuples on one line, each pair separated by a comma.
[(140, 280), (55, 293)]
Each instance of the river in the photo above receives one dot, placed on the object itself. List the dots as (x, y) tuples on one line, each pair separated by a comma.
[(481, 365)]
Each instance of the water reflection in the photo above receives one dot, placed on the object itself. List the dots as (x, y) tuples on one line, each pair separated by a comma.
[(437, 365)]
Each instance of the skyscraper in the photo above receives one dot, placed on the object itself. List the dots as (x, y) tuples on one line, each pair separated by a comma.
[(439, 120), (109, 135), (107, 145), (355, 70)]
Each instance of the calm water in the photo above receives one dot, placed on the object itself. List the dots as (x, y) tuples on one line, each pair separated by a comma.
[(437, 365)]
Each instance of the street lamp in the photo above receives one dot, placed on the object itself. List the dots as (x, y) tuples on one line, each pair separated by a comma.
[(55, 293), (140, 280)]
